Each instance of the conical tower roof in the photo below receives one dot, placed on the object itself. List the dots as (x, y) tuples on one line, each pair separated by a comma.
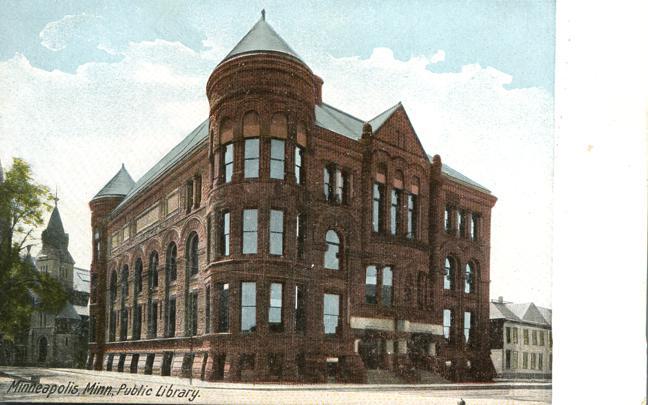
[(118, 186), (54, 238), (262, 38)]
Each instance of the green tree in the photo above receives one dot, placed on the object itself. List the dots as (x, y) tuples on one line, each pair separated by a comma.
[(23, 289)]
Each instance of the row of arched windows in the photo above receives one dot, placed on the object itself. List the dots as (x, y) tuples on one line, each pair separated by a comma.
[(450, 274)]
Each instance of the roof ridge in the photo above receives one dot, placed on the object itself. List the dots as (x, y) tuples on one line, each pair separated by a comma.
[(339, 121), (384, 111), (344, 112)]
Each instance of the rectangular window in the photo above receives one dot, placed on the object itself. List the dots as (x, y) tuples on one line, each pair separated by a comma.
[(447, 323), (299, 156), (209, 238), (458, 218), (525, 360), (525, 334), (225, 234), (534, 337), (467, 324), (508, 334), (228, 162), (377, 207), (223, 307), (250, 227), (207, 310), (340, 186), (251, 159), (508, 360), (193, 314), (542, 337), (412, 218), (331, 314), (300, 232), (275, 319), (300, 309), (533, 361), (248, 306), (447, 219), (371, 282), (474, 226), (462, 224), (540, 365), (514, 360), (394, 211), (276, 232), (137, 323), (171, 318), (515, 335), (277, 158), (189, 187), (328, 186), (153, 314), (387, 286)]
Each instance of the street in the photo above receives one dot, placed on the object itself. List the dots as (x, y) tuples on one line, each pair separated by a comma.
[(72, 385)]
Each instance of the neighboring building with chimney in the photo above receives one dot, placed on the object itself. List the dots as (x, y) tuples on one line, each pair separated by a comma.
[(286, 240), (521, 340), (60, 339)]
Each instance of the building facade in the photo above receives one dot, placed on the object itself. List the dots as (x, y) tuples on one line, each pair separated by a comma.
[(521, 340), (286, 240)]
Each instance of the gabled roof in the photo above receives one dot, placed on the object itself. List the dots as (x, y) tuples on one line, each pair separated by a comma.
[(262, 38), (192, 141), (525, 313), (118, 186), (381, 118), (338, 121)]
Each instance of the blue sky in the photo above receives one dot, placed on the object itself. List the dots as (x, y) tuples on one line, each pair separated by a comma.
[(513, 36), (89, 86)]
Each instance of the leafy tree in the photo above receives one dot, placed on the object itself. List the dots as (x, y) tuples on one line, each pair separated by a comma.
[(23, 289)]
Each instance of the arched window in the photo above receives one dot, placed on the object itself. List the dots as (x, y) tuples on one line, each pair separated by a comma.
[(332, 254), (171, 268), (192, 253), (469, 285), (449, 273), (279, 126), (251, 125), (138, 276), (153, 270), (113, 285), (226, 131), (124, 281)]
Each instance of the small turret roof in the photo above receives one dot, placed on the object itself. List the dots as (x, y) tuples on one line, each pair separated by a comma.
[(118, 186), (262, 38)]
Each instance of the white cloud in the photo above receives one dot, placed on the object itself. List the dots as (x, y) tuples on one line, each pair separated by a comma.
[(56, 35), (76, 129)]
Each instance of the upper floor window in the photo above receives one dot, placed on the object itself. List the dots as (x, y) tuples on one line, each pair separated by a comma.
[(275, 319), (469, 284), (332, 254), (421, 288), (113, 285), (225, 233), (193, 192), (276, 232), (301, 236), (387, 286), (467, 325), (447, 218), (171, 262), (335, 184), (412, 219), (192, 318), (138, 276), (124, 280), (394, 211), (377, 207), (153, 268), (371, 283), (251, 158), (250, 231), (299, 164), (248, 306), (449, 273), (447, 323), (331, 314), (223, 307), (192, 253), (277, 158), (474, 226), (228, 162), (461, 217)]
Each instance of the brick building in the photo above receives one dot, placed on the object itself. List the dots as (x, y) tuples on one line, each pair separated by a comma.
[(286, 240)]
